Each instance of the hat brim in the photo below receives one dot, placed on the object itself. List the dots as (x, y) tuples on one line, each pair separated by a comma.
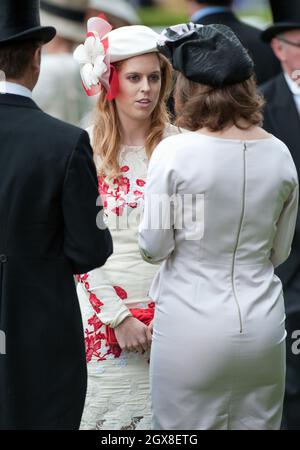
[(268, 34), (66, 28), (44, 34)]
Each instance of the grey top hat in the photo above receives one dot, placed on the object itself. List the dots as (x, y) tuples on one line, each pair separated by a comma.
[(67, 16)]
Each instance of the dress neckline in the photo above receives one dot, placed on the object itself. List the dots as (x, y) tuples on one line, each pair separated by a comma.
[(235, 140), (132, 146)]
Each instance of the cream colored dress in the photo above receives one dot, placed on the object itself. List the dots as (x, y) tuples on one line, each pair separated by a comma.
[(218, 349), (118, 383)]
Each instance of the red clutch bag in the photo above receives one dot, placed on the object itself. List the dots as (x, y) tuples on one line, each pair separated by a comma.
[(144, 315)]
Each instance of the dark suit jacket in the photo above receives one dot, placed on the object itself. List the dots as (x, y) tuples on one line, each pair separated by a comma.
[(48, 232), (281, 118), (266, 64)]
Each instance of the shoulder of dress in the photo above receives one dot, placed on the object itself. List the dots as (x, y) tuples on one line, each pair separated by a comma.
[(172, 130), (90, 131), (97, 157)]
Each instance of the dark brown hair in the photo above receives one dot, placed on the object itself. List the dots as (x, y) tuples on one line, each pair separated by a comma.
[(199, 105), (16, 56)]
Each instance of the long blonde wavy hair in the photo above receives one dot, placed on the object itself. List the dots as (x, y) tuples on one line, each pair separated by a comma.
[(106, 134)]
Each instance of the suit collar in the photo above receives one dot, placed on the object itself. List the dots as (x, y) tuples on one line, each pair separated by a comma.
[(228, 16), (8, 87), (198, 15), (286, 117), (17, 100), (282, 95)]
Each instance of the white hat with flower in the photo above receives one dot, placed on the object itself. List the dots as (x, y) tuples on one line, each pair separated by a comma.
[(104, 46)]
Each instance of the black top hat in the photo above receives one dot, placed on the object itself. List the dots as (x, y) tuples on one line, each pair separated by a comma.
[(20, 20), (207, 54), (286, 16)]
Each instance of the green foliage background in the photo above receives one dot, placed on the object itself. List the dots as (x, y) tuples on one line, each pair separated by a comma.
[(157, 17)]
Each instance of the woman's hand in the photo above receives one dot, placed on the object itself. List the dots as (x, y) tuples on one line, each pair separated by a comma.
[(133, 335), (150, 326)]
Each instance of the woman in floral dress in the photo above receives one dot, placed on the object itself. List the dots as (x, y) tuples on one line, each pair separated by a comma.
[(131, 119)]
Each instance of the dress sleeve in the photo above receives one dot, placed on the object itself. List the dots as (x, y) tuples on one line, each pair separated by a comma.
[(108, 306), (285, 229), (156, 231)]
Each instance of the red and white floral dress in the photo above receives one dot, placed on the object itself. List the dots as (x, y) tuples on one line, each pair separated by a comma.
[(118, 382)]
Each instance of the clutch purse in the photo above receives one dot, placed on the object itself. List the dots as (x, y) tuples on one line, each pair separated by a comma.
[(144, 315)]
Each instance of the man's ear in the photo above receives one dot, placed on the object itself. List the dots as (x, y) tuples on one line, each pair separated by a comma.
[(277, 47), (36, 60)]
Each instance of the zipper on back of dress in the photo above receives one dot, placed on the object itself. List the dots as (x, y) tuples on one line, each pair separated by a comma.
[(238, 239)]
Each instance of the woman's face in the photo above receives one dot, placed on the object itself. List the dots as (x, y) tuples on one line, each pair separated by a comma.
[(139, 87)]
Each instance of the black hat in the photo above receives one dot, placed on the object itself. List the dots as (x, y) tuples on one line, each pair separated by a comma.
[(20, 20), (286, 16), (207, 54)]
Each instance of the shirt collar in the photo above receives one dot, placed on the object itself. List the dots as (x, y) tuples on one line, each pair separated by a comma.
[(209, 10), (6, 87)]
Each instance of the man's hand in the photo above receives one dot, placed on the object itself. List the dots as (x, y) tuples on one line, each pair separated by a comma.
[(133, 335)]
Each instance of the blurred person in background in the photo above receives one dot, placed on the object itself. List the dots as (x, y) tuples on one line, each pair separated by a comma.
[(282, 118), (118, 13), (220, 11), (58, 91), (142, 3)]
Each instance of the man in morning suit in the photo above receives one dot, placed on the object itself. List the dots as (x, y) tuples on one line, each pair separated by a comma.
[(48, 232), (282, 118), (219, 11)]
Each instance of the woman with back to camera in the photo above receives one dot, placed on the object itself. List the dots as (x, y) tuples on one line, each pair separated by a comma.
[(130, 120), (218, 345)]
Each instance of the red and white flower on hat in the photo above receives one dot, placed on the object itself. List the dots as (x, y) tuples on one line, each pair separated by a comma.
[(93, 57)]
